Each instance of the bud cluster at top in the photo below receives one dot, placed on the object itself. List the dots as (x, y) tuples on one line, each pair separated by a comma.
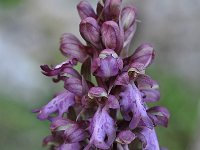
[(104, 105)]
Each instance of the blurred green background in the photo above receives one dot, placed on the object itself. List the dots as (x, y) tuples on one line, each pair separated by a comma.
[(29, 36)]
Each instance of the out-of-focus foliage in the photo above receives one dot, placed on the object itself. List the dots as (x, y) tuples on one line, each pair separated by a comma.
[(181, 100), (9, 3), (19, 128)]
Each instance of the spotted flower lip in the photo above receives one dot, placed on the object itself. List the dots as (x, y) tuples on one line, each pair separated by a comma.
[(103, 130), (60, 103), (104, 104)]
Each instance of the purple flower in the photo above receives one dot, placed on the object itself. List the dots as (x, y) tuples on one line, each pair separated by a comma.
[(59, 104), (108, 64), (105, 103), (72, 132), (131, 102), (125, 137), (102, 128), (149, 139), (141, 58)]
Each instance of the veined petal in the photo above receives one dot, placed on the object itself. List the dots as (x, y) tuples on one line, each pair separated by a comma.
[(131, 102), (72, 131), (59, 104), (102, 129), (151, 141), (159, 115), (148, 87)]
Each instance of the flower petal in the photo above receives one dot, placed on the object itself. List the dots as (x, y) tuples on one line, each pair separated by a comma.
[(60, 103), (159, 115), (150, 142), (102, 129), (141, 58), (131, 102), (53, 71)]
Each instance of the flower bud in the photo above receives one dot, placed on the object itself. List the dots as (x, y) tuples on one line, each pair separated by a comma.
[(114, 9), (85, 10), (71, 47), (128, 23), (112, 37), (90, 31), (107, 64), (141, 58), (109, 9), (128, 16)]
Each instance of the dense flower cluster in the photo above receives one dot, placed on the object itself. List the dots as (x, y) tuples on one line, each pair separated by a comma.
[(104, 106)]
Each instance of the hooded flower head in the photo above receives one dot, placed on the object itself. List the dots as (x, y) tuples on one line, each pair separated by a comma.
[(105, 103)]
